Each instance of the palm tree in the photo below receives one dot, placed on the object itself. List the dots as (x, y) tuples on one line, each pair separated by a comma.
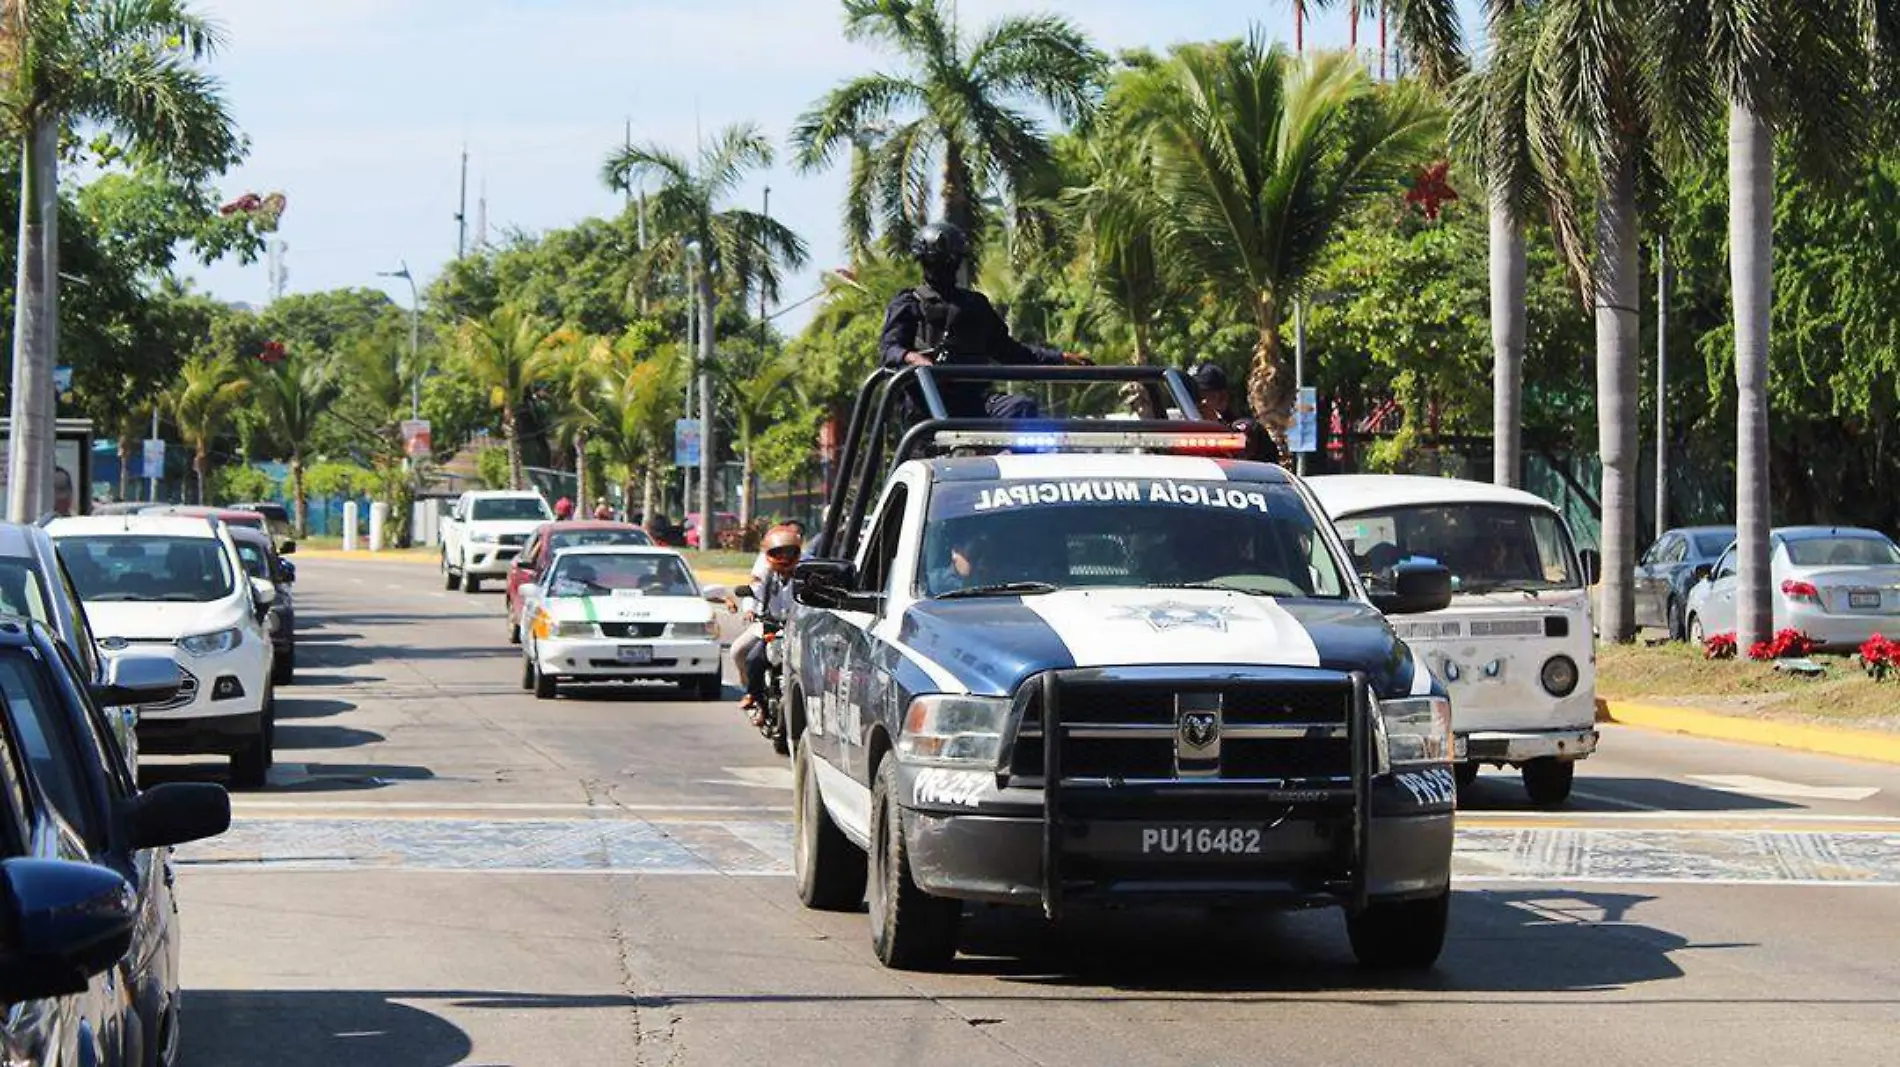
[(728, 247), (292, 396), (1262, 160), (757, 393), (129, 67), (503, 352), (1120, 216), (207, 390), (572, 366), (968, 126), (1798, 69), (634, 405)]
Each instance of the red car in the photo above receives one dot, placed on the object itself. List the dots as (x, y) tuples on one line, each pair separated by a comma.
[(552, 537)]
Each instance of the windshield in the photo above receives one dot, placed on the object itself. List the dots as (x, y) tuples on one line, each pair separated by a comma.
[(252, 556), (517, 508), (580, 538), (1842, 551), (593, 574), (1066, 532), (131, 567), (1487, 547), (21, 592)]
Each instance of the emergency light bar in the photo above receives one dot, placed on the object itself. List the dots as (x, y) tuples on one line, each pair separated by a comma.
[(1086, 440)]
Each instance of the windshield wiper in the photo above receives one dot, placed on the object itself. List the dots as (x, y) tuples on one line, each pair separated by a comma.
[(1206, 585), (1000, 589), (1517, 586)]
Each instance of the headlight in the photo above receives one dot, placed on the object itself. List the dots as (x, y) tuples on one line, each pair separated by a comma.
[(692, 629), (1559, 676), (1412, 730), (957, 730), (582, 628), (211, 644)]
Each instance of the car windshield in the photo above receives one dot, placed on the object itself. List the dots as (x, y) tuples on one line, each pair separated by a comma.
[(252, 556), (135, 567), (593, 574), (21, 592), (509, 508), (1842, 552), (1711, 545), (1487, 547), (1033, 536), (581, 538)]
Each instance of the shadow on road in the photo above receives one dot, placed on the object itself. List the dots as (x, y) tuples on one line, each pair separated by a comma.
[(289, 708), (239, 1028), (357, 655), (290, 777), (292, 736), (317, 681)]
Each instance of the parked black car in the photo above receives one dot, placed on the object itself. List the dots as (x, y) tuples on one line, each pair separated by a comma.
[(88, 922), (265, 560), (1667, 570)]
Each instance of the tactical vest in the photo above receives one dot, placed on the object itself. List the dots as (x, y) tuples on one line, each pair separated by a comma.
[(935, 315)]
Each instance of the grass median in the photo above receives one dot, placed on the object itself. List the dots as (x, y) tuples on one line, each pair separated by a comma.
[(1677, 674)]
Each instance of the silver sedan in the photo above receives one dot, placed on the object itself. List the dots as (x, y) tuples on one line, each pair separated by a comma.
[(1839, 585)]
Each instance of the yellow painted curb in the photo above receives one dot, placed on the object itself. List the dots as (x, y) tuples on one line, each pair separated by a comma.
[(391, 556), (722, 576), (1827, 740)]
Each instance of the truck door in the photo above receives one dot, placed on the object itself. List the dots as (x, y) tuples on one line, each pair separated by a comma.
[(868, 698)]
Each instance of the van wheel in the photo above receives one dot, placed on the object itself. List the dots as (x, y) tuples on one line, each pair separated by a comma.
[(1400, 934), (828, 868), (910, 929), (1547, 780)]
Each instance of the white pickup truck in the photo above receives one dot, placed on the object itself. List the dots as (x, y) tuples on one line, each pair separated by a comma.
[(485, 531)]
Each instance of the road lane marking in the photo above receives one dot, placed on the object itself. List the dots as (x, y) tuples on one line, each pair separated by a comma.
[(754, 778), (1774, 787)]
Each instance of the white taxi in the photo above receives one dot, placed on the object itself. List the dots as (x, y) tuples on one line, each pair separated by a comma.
[(611, 613), (1515, 648)]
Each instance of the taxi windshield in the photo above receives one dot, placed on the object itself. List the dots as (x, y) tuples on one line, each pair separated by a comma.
[(598, 574), (1487, 547), (1029, 536)]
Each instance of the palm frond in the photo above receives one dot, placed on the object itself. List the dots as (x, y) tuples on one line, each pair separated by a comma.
[(733, 151), (627, 168), (1044, 57), (847, 113)]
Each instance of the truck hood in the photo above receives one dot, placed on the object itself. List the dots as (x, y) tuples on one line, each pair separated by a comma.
[(991, 644), (152, 620)]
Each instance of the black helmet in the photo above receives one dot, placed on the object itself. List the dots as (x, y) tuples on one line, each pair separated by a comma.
[(1209, 378), (940, 246)]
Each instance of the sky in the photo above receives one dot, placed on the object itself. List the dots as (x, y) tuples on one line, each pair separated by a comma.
[(359, 111)]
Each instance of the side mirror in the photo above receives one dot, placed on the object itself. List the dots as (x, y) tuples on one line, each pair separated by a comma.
[(745, 592), (67, 921), (717, 594), (528, 589), (1703, 570), (1592, 561), (1416, 588), (824, 583), (287, 548), (177, 812), (134, 680), (265, 592)]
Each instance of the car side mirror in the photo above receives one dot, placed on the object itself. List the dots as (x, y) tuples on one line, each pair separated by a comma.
[(716, 594), (287, 548), (824, 583), (1702, 571), (67, 922), (1592, 562), (177, 812), (134, 680), (265, 592), (527, 590), (1416, 588)]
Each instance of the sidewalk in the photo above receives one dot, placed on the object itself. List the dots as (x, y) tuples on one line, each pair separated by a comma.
[(1877, 746)]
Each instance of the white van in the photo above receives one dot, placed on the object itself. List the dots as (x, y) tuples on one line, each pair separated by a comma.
[(1516, 648)]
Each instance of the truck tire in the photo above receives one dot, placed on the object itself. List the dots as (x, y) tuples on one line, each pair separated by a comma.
[(450, 579), (1465, 773), (544, 685), (828, 868), (250, 764), (910, 929), (1548, 780), (471, 584), (1400, 934)]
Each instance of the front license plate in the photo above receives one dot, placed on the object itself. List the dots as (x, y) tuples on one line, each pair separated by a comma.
[(1864, 598), (636, 654), (1200, 840)]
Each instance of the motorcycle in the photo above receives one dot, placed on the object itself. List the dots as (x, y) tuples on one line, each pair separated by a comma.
[(771, 722)]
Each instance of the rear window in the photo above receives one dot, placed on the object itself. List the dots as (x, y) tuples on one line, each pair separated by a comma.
[(1842, 552), (1709, 546)]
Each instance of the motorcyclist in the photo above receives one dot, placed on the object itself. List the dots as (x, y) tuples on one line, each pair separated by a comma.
[(1216, 399), (940, 321), (742, 645), (563, 509), (602, 510), (772, 599)]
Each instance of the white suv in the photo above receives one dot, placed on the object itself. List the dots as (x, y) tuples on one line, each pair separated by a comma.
[(177, 585)]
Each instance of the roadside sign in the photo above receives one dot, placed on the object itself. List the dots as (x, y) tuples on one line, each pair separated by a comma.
[(686, 443), (1303, 435), (416, 440), (62, 379), (154, 458)]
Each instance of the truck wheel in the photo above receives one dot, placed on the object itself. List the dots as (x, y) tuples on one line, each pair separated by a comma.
[(910, 929), (1465, 773), (828, 868), (450, 580), (471, 584), (544, 685), (1548, 779), (1400, 934), (709, 687)]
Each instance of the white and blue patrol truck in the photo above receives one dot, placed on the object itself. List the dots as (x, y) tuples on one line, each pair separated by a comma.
[(1084, 662)]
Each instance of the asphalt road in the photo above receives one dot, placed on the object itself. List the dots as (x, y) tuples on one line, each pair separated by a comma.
[(447, 871)]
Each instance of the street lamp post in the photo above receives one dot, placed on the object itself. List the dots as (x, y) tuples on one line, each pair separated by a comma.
[(415, 335)]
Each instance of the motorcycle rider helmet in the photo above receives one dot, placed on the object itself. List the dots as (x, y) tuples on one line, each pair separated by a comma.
[(940, 248), (779, 538)]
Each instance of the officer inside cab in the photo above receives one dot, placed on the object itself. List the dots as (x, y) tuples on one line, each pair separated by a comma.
[(941, 322)]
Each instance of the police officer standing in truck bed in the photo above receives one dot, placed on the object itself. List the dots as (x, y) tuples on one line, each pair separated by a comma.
[(941, 322)]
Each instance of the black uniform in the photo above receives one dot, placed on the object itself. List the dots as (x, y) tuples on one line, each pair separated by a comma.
[(1260, 443), (965, 329)]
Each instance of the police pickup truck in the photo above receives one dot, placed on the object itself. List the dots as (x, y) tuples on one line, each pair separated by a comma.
[(1094, 662)]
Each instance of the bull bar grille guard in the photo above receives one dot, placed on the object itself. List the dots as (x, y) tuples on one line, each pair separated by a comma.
[(1060, 793)]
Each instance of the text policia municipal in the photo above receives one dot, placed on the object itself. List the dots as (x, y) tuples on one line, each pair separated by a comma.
[(1203, 494)]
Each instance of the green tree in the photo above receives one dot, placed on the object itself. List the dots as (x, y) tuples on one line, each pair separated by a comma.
[(760, 390), (970, 126), (208, 390), (129, 67), (291, 397), (502, 353)]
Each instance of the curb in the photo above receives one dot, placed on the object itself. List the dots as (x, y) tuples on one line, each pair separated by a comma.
[(390, 556), (1874, 745)]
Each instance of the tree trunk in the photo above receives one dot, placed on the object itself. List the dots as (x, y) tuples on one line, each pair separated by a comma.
[(1615, 290), (959, 209), (646, 492), (1507, 343), (580, 474), (1751, 177), (510, 438), (299, 506), (30, 445), (47, 399), (708, 437), (745, 484), (1140, 355), (201, 459), (125, 468), (1269, 384)]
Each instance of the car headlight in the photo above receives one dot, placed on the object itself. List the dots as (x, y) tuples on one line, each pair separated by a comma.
[(692, 629), (1412, 730), (212, 644), (956, 730), (581, 628), (1559, 676)]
